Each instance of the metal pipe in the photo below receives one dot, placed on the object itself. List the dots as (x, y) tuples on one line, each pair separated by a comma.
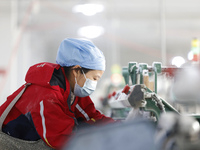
[(163, 31)]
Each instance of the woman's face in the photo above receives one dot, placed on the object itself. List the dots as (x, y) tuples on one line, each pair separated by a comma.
[(94, 75)]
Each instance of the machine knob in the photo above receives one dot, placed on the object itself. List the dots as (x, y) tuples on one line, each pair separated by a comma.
[(126, 89)]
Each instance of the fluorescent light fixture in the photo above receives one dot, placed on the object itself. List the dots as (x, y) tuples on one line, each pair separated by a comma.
[(178, 61), (88, 9), (91, 31)]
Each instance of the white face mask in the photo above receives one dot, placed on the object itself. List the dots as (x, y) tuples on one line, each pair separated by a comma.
[(87, 89)]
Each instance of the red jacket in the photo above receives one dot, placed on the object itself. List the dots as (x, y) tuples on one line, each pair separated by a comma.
[(47, 99)]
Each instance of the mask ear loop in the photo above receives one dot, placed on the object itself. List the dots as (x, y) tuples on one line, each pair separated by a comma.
[(75, 80), (83, 74)]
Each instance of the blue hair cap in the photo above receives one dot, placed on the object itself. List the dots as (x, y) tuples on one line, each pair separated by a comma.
[(83, 52)]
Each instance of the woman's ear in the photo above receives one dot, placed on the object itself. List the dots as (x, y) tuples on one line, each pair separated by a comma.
[(75, 70)]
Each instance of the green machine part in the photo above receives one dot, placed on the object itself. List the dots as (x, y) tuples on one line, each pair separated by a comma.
[(125, 74), (143, 98), (142, 66), (133, 70), (157, 69), (152, 106)]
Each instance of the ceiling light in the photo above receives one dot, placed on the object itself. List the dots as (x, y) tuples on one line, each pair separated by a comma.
[(178, 61), (91, 31), (88, 9)]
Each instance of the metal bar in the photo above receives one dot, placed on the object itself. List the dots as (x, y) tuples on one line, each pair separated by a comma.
[(163, 31)]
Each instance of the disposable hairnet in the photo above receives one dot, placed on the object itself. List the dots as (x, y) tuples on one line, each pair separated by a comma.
[(80, 52)]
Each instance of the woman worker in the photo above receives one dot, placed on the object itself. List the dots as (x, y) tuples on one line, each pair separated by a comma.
[(58, 96)]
